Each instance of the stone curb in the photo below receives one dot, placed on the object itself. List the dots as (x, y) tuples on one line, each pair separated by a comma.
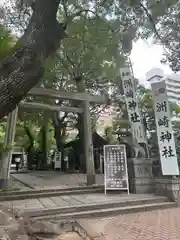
[(89, 231), (23, 192), (94, 206), (107, 212), (84, 231), (24, 183), (34, 195)]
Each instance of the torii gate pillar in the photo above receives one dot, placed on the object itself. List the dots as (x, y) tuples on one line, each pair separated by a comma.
[(6, 156), (89, 156)]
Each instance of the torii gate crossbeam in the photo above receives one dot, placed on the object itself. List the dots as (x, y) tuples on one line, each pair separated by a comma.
[(85, 98)]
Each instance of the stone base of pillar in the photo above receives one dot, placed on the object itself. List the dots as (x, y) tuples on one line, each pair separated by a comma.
[(140, 175), (168, 187), (142, 185), (4, 183), (91, 179)]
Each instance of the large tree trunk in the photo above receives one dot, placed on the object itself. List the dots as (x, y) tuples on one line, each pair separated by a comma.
[(30, 151), (59, 133), (44, 143), (23, 69), (80, 127)]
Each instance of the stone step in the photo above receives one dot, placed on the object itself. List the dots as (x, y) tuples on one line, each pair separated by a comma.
[(108, 212), (23, 192), (49, 193), (102, 209)]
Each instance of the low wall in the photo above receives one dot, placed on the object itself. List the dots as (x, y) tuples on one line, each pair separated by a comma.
[(140, 175), (169, 187)]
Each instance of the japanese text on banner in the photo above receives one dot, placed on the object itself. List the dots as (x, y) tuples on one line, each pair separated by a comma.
[(165, 134), (132, 105)]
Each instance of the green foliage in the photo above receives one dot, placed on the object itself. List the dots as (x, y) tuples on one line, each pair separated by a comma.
[(2, 130), (89, 52), (100, 35), (4, 148), (109, 135), (121, 125), (176, 127), (6, 42), (164, 26), (121, 122), (146, 106)]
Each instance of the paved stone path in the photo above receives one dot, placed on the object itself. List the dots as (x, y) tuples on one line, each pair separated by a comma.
[(71, 200), (155, 225), (52, 179), (16, 185), (47, 179)]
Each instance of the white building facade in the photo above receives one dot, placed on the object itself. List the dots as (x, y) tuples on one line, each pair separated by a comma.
[(172, 83)]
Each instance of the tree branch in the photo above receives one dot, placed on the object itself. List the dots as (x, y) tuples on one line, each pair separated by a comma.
[(86, 11), (24, 68), (151, 21), (65, 8), (64, 64)]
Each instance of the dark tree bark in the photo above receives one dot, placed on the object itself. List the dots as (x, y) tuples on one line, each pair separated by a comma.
[(43, 145), (23, 69), (80, 127), (59, 133), (30, 149)]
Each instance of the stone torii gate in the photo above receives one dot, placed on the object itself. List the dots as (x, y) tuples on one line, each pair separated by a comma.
[(85, 98)]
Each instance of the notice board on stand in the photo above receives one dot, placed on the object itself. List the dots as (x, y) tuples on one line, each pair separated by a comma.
[(57, 163), (115, 168)]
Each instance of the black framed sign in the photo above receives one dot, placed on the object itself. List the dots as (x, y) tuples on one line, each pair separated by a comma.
[(115, 168)]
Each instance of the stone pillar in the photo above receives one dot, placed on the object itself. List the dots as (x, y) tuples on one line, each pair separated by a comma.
[(140, 175), (8, 144), (91, 177), (169, 187)]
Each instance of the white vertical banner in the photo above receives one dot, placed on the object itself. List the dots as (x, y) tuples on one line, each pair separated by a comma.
[(133, 110), (57, 163), (166, 143)]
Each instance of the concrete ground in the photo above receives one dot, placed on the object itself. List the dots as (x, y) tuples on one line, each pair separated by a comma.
[(52, 179), (155, 225)]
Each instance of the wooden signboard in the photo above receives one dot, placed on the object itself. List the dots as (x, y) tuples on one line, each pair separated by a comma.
[(115, 168), (57, 163)]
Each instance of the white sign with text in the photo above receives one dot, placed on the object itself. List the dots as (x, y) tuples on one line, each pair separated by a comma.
[(133, 110), (166, 142)]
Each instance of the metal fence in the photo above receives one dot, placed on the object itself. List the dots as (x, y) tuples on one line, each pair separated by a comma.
[(99, 159), (99, 163), (156, 168)]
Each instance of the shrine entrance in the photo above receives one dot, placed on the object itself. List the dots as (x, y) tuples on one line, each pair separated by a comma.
[(84, 102)]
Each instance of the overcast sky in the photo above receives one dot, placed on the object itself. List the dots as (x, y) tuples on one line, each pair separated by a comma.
[(146, 56)]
